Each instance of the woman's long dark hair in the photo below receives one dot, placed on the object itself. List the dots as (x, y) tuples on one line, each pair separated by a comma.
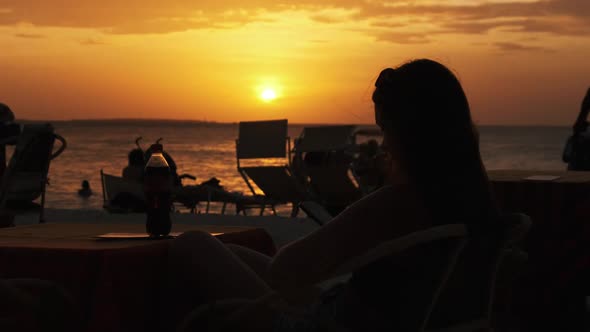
[(423, 106)]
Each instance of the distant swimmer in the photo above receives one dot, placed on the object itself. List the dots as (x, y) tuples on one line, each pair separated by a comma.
[(85, 191), (577, 148)]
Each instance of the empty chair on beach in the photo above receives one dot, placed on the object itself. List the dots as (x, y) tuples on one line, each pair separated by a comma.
[(26, 176), (262, 142)]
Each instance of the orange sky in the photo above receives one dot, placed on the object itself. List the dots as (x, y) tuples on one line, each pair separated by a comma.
[(520, 62)]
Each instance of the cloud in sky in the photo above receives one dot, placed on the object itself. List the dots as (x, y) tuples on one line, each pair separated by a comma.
[(382, 18), (515, 47), (29, 35), (92, 41)]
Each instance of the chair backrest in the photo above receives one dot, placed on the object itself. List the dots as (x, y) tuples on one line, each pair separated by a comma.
[(26, 174), (402, 278), (325, 138), (467, 298), (262, 139)]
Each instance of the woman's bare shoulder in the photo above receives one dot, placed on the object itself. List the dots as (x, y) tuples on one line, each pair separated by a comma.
[(394, 209), (390, 198)]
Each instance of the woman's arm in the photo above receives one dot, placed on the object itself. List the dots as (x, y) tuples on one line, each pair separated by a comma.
[(380, 216)]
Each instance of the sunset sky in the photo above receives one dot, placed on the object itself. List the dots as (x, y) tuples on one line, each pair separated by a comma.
[(520, 62)]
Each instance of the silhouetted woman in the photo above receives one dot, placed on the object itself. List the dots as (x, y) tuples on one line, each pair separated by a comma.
[(437, 178)]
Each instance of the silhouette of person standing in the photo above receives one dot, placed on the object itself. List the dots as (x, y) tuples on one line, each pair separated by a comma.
[(577, 148), (8, 133)]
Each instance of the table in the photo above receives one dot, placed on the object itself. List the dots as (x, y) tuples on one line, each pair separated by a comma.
[(116, 284), (559, 208), (557, 242)]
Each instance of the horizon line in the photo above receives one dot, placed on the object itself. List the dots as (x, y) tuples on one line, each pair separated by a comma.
[(197, 121)]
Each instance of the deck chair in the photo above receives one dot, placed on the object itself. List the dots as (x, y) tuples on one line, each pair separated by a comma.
[(26, 176), (191, 196), (329, 175), (439, 245), (326, 138), (316, 212), (466, 303), (265, 141)]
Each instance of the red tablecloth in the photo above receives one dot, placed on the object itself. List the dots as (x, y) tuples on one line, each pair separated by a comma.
[(116, 285)]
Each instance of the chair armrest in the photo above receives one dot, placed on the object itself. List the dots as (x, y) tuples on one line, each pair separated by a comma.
[(187, 176), (61, 148), (398, 245)]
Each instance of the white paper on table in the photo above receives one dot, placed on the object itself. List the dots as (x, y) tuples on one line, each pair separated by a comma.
[(542, 177), (134, 236)]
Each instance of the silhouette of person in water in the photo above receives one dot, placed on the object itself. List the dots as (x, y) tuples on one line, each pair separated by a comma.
[(425, 118), (85, 191), (577, 148)]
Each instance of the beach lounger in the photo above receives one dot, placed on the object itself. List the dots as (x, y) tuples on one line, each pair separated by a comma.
[(265, 142), (26, 176), (443, 242), (189, 196), (466, 302), (324, 154)]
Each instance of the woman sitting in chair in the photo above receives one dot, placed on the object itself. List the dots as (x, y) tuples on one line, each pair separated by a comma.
[(436, 178)]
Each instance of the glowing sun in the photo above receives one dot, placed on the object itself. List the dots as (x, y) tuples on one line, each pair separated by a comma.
[(268, 95)]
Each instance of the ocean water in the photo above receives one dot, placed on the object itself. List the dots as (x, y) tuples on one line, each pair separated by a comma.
[(208, 150)]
